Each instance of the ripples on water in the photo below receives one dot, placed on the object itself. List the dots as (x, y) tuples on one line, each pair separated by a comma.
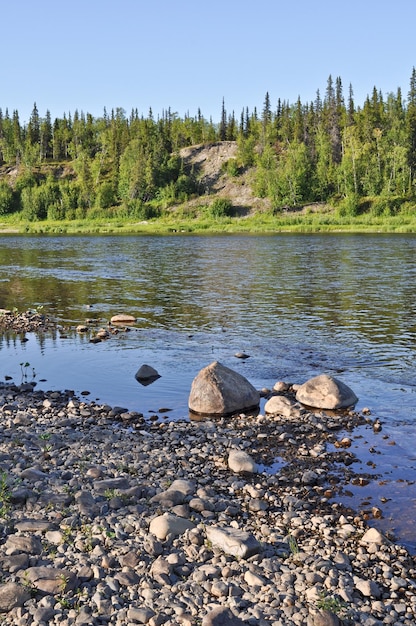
[(301, 304), (298, 304)]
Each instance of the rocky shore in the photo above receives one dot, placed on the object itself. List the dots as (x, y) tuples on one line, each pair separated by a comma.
[(111, 517)]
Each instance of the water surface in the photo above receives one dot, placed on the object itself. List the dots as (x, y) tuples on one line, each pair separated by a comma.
[(299, 305)]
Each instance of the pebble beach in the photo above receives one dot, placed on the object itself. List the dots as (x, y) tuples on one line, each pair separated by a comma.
[(109, 517)]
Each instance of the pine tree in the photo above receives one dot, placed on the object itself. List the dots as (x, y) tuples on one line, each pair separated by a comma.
[(411, 124), (223, 123), (45, 137), (267, 111), (33, 128)]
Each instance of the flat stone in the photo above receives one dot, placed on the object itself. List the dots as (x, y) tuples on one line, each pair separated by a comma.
[(12, 595), (280, 405), (50, 580), (168, 499), (111, 483), (221, 616), (324, 618), (127, 578), (16, 544), (368, 588), (86, 504), (33, 474), (232, 541), (187, 487), (254, 580), (123, 318), (33, 525), (168, 524), (140, 615)]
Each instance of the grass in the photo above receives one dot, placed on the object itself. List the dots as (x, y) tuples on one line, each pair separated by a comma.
[(181, 221), (5, 495)]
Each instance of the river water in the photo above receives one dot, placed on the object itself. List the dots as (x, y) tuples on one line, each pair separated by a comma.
[(298, 305)]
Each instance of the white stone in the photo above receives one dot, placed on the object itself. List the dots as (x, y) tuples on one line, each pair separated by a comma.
[(254, 580), (239, 462), (372, 535), (168, 524), (280, 405), (232, 541)]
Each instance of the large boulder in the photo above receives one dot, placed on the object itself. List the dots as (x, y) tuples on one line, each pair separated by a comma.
[(219, 390), (326, 392)]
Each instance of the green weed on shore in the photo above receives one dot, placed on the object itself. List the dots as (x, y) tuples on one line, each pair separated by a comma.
[(256, 223)]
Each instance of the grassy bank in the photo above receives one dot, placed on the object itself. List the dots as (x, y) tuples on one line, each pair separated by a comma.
[(256, 223)]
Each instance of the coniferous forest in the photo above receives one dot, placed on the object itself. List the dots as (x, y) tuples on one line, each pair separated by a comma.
[(332, 150)]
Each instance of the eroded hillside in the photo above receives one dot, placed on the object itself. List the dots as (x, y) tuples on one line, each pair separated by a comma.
[(209, 164)]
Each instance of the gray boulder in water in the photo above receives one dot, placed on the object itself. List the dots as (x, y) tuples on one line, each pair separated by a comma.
[(326, 392), (219, 390)]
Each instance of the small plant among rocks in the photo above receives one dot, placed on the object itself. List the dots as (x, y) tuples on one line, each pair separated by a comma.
[(333, 604), (28, 584), (293, 544), (5, 495)]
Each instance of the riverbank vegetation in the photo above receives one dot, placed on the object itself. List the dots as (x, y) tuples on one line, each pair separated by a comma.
[(323, 165)]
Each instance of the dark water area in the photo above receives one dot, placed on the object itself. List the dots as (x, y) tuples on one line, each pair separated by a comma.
[(299, 305)]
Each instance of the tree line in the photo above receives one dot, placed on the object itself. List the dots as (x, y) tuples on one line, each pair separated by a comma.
[(328, 150)]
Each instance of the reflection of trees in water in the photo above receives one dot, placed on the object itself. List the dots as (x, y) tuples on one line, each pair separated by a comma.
[(284, 285)]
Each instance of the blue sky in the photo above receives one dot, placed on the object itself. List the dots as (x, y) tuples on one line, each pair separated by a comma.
[(182, 54)]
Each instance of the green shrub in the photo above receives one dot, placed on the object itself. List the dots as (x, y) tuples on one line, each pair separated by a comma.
[(349, 206), (139, 210), (105, 196), (386, 205), (231, 167), (8, 203), (221, 207)]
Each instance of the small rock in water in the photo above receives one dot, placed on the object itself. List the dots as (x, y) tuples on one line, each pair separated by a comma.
[(123, 318), (146, 375)]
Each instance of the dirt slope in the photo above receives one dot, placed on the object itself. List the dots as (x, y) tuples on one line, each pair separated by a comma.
[(208, 163)]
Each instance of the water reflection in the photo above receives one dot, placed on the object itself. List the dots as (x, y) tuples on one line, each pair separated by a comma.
[(300, 305), (346, 301)]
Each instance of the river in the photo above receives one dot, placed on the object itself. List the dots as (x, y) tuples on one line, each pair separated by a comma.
[(298, 305)]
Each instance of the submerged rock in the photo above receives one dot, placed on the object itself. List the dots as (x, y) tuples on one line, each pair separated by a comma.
[(326, 392), (219, 390)]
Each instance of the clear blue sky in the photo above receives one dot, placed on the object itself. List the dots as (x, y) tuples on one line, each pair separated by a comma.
[(183, 54)]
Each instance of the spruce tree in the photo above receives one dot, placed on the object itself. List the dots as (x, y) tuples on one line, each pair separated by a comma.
[(223, 123), (411, 124)]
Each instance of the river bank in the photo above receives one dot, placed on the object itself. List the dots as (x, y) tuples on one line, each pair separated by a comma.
[(109, 517), (182, 221)]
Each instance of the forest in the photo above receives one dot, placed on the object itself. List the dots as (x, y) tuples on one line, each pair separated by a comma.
[(356, 158)]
